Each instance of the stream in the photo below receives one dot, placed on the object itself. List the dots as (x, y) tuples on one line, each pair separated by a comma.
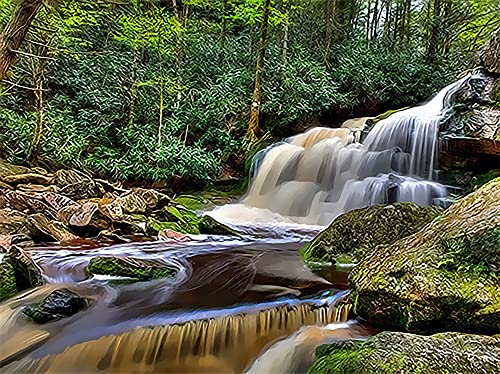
[(236, 304)]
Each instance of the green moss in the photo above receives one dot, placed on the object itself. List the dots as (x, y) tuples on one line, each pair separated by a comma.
[(351, 235), (192, 202), (210, 226), (394, 352), (18, 272), (444, 277), (8, 286), (380, 117), (128, 267)]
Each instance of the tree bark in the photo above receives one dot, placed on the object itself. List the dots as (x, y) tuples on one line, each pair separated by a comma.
[(254, 127), (14, 33), (435, 30)]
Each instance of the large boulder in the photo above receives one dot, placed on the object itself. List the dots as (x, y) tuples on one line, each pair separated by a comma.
[(490, 54), (18, 272), (351, 235), (129, 267), (396, 352), (444, 277)]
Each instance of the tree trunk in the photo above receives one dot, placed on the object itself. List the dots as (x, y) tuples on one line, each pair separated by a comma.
[(253, 127), (435, 30), (133, 87), (14, 33), (285, 44), (223, 30), (38, 69)]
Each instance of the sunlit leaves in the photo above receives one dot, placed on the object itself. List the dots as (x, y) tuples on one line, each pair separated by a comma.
[(153, 29)]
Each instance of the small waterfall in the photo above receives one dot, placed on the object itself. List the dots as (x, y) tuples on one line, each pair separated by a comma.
[(296, 353), (313, 177), (222, 344)]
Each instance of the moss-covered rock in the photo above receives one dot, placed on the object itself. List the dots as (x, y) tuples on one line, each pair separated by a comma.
[(395, 352), (351, 235), (210, 226), (18, 272), (7, 169), (129, 267), (59, 304), (444, 277)]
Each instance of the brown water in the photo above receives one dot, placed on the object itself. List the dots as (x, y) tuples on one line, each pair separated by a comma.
[(233, 301)]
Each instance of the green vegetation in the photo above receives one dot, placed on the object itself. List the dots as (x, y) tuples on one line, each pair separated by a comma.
[(396, 352), (158, 90), (128, 267)]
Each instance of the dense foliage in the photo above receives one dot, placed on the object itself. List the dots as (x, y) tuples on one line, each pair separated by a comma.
[(155, 90)]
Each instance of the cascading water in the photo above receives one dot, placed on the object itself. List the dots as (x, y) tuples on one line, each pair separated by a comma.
[(313, 177)]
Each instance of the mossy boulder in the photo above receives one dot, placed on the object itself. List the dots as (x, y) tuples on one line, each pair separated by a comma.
[(59, 304), (351, 235), (18, 272), (444, 277), (210, 226), (396, 352), (129, 267), (186, 221), (7, 169)]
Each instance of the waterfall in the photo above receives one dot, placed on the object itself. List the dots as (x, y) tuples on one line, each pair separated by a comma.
[(220, 344), (313, 177)]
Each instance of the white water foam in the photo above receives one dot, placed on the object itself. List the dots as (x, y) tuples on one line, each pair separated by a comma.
[(312, 178)]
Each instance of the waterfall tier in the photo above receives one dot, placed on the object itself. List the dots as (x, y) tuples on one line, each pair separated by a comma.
[(313, 177)]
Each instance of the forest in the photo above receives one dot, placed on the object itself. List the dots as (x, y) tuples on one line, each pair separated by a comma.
[(250, 186), (183, 90)]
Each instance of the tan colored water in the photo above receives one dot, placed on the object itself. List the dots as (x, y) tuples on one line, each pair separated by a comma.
[(220, 344), (231, 301)]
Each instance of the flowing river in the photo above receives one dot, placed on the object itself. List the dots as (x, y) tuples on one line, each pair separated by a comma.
[(229, 309)]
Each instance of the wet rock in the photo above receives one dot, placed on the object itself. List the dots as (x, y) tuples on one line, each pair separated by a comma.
[(29, 178), (77, 185), (210, 226), (396, 352), (354, 234), (129, 267), (113, 236), (57, 201), (5, 186), (27, 202), (444, 277), (490, 54), (7, 169), (18, 272), (59, 304), (51, 228), (14, 222), (470, 133), (173, 236)]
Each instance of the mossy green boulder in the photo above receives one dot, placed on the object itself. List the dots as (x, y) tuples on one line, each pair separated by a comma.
[(210, 226), (396, 352), (443, 278), (351, 235), (18, 272), (129, 267)]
